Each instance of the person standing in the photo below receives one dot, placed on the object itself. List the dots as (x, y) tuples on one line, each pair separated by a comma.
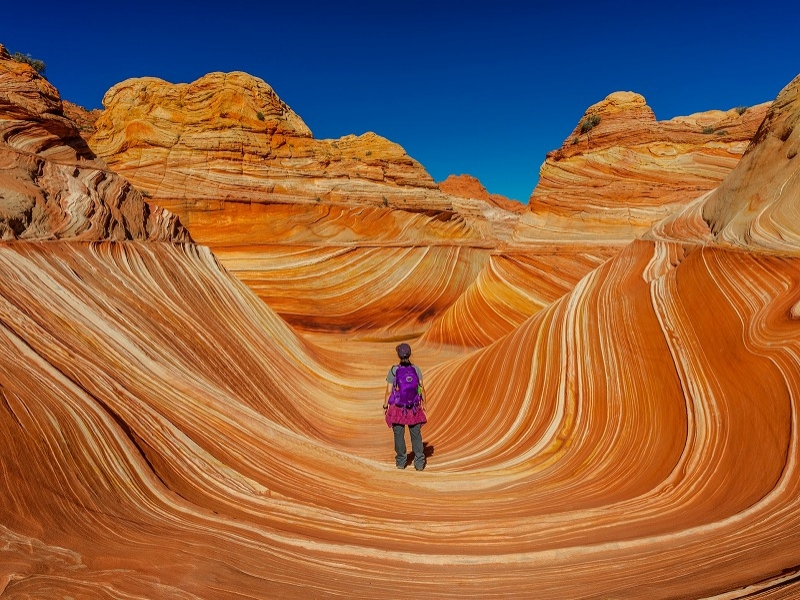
[(404, 405)]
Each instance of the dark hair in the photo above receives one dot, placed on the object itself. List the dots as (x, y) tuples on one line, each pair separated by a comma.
[(405, 362)]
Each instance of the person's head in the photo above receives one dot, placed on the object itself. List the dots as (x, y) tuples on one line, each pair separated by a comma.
[(404, 353)]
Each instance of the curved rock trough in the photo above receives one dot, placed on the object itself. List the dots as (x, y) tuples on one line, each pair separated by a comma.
[(629, 432)]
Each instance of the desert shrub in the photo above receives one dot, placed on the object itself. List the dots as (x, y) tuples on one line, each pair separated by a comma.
[(369, 152), (38, 65), (385, 201), (722, 132), (260, 116), (741, 109), (708, 129), (589, 123)]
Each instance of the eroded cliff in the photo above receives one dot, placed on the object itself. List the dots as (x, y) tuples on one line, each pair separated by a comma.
[(164, 433)]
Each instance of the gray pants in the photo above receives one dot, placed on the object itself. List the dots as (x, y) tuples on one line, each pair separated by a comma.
[(416, 446)]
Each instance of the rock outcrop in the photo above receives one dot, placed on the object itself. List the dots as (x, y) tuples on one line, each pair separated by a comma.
[(233, 139), (82, 117), (467, 186), (51, 184), (618, 173), (245, 175), (620, 170), (165, 434)]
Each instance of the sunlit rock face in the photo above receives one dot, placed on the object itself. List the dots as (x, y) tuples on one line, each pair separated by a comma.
[(245, 175), (188, 455), (165, 434), (467, 186), (51, 184), (617, 174), (616, 178), (229, 137)]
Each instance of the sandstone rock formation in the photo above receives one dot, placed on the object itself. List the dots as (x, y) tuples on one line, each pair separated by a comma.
[(164, 433), (83, 118), (233, 139), (245, 175), (613, 180), (618, 173), (51, 184), (467, 186)]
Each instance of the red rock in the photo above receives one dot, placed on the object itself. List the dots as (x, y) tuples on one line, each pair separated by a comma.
[(163, 433), (248, 186), (83, 118), (466, 186), (53, 187), (605, 186), (629, 171)]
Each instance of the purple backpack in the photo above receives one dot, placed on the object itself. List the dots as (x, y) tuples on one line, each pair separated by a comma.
[(406, 388)]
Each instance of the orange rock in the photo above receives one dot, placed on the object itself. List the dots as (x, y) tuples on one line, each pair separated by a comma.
[(247, 185), (621, 171), (756, 207), (83, 118), (53, 187), (163, 433), (467, 186), (236, 140)]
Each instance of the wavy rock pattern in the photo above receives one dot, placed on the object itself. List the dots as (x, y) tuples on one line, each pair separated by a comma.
[(228, 454), (619, 177), (601, 189), (746, 213), (511, 287), (164, 433), (244, 174), (51, 185), (372, 291)]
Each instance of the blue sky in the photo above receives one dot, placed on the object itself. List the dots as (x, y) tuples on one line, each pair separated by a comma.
[(485, 88)]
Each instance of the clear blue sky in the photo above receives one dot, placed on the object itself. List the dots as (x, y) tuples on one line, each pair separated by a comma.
[(465, 87)]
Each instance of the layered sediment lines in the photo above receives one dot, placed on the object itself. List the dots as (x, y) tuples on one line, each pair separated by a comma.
[(512, 286), (164, 433), (379, 291), (51, 184), (245, 175), (228, 454), (609, 183), (621, 170)]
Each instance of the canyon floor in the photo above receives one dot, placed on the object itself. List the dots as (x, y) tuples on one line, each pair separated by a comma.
[(200, 301)]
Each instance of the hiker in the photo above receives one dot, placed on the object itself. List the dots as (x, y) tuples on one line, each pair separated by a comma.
[(403, 405)]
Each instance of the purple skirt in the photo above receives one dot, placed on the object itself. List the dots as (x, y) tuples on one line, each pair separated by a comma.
[(405, 416)]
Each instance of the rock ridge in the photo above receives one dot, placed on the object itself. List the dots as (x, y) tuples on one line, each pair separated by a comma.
[(52, 186)]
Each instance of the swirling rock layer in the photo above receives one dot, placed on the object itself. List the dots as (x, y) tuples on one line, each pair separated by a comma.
[(513, 285), (619, 173), (245, 175), (51, 184), (164, 433), (193, 455), (615, 179)]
